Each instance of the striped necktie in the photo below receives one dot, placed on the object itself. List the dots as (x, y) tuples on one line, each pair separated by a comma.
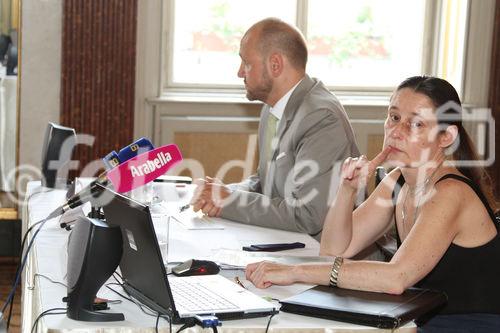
[(272, 122)]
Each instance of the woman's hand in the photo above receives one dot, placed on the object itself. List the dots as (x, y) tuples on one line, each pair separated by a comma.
[(356, 171), (264, 274)]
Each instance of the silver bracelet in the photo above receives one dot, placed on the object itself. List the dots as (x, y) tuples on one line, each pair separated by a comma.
[(334, 274)]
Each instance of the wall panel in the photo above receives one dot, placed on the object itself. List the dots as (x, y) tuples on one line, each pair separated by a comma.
[(211, 135)]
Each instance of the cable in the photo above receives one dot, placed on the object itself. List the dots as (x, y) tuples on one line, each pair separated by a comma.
[(24, 256), (28, 214), (17, 279), (22, 247), (10, 313), (157, 320), (130, 299), (31, 196), (269, 321), (117, 292), (22, 265), (46, 313), (26, 236), (47, 278), (186, 326), (116, 279)]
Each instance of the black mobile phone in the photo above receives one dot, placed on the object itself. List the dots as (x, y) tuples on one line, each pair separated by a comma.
[(173, 179), (273, 247)]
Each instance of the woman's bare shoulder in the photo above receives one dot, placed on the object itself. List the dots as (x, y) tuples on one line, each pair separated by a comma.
[(451, 187)]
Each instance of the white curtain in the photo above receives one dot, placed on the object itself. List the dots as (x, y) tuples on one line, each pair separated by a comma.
[(8, 132)]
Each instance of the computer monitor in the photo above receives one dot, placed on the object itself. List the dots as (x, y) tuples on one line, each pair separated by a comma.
[(58, 146)]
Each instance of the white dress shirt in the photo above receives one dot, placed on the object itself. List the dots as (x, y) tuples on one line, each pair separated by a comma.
[(278, 108)]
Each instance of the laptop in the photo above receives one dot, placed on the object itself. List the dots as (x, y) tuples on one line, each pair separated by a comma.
[(364, 307), (145, 277)]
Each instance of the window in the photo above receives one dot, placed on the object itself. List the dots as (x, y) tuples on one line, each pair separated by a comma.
[(206, 41), (363, 45), (451, 54)]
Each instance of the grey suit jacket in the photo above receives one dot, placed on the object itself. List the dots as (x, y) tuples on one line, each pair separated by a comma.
[(292, 191)]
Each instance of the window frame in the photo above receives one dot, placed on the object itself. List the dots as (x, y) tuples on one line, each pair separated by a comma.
[(150, 96), (430, 49)]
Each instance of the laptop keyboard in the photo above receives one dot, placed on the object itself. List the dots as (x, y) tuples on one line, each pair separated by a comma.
[(196, 297)]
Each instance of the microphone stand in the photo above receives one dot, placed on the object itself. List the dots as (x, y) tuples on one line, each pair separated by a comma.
[(95, 212)]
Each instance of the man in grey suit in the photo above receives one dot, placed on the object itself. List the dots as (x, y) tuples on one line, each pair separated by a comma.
[(303, 133)]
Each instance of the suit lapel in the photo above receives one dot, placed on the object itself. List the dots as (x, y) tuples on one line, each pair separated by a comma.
[(263, 162), (290, 110), (291, 107)]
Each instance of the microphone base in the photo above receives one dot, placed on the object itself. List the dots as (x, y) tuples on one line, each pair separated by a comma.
[(95, 316)]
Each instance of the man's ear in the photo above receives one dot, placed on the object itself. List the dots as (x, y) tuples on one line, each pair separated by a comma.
[(448, 136), (276, 64)]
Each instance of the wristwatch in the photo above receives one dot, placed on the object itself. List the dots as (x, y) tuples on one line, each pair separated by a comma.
[(334, 274)]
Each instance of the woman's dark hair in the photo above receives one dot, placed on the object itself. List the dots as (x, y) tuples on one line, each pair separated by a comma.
[(449, 112)]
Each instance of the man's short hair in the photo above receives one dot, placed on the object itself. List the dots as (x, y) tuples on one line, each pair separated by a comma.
[(276, 34)]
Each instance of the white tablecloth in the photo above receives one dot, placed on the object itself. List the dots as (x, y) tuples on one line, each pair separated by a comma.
[(49, 256)]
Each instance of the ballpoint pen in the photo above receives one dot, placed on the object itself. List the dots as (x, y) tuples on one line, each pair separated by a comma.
[(237, 280), (183, 208), (199, 213)]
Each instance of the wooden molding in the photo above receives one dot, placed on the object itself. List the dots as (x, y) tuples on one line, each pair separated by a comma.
[(8, 214)]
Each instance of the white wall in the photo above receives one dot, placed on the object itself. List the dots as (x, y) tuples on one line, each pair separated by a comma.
[(40, 74)]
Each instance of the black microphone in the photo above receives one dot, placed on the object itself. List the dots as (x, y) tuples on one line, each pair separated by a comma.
[(95, 188), (92, 190)]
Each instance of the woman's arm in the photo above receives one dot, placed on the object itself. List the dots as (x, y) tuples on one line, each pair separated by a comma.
[(420, 252), (435, 229), (345, 232)]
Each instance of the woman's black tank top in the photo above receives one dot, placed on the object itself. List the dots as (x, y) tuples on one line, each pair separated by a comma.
[(470, 277)]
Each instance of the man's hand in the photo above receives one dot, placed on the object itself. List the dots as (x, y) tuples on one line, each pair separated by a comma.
[(209, 196)]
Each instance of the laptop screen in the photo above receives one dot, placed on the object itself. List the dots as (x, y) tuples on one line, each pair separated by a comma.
[(145, 278), (141, 265)]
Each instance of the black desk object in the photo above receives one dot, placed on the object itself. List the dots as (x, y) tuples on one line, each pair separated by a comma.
[(364, 308)]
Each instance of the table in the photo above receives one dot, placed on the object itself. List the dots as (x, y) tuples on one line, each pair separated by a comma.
[(49, 259)]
